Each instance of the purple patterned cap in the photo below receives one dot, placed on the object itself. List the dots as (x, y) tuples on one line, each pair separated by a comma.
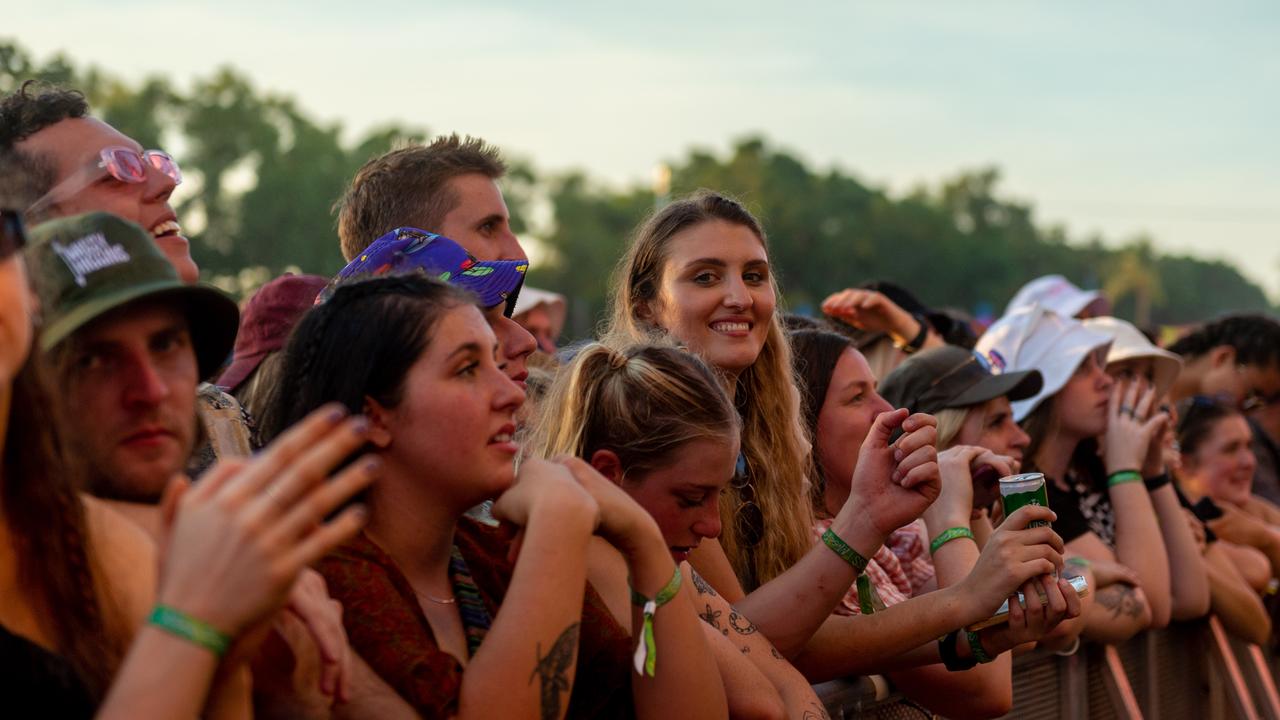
[(407, 249)]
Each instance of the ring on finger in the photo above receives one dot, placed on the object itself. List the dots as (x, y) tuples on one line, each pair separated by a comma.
[(269, 491)]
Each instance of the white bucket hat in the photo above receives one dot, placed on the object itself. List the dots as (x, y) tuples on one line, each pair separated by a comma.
[(1054, 292), (1037, 338), (1128, 343), (531, 297)]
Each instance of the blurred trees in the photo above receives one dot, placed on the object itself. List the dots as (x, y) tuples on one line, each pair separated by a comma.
[(262, 175)]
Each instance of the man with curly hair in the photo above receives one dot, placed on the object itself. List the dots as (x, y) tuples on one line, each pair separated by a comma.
[(76, 163)]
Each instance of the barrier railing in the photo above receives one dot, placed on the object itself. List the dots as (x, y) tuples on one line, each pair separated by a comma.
[(1188, 670)]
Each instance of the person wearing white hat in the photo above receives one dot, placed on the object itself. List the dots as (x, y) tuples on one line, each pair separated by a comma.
[(542, 313), (1132, 357), (1104, 510), (1060, 295)]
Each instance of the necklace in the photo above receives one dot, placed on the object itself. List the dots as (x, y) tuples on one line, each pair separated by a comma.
[(436, 600)]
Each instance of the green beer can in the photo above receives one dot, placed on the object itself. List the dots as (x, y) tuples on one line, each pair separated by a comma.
[(1024, 489)]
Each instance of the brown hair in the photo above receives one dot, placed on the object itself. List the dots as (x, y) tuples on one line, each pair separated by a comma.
[(817, 352), (772, 437), (255, 391), (410, 187), (642, 402), (46, 517)]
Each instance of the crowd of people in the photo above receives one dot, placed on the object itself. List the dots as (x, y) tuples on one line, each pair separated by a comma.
[(390, 494)]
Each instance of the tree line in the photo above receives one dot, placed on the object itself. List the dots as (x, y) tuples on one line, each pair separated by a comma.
[(263, 175)]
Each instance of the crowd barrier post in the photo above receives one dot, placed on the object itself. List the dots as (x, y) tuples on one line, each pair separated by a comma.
[(1257, 677), (1237, 690)]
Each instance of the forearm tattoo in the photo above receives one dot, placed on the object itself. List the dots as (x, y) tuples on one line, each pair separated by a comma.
[(711, 616), (1120, 599), (554, 668), (741, 624)]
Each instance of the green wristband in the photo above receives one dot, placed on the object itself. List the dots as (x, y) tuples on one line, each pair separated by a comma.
[(975, 647), (646, 655), (948, 535), (1123, 477), (842, 548), (188, 628)]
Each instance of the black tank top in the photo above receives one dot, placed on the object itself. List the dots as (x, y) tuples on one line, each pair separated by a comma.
[(37, 683)]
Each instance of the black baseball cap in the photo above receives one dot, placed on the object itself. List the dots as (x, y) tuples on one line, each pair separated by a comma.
[(952, 377)]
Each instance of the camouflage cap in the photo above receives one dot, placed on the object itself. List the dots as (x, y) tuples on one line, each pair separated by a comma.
[(85, 266)]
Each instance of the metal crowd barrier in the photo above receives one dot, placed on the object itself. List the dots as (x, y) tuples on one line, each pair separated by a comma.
[(1189, 671)]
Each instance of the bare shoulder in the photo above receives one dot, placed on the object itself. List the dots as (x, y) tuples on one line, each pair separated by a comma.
[(126, 556)]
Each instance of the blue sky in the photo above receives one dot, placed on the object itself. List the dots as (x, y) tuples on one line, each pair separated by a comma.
[(1114, 118)]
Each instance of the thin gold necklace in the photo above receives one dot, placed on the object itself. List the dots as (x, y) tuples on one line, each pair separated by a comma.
[(436, 600)]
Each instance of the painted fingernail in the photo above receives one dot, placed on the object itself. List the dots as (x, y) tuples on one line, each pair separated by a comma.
[(336, 413), (373, 464), (360, 425)]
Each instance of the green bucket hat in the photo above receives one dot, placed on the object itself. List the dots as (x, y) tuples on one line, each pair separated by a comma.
[(85, 266)]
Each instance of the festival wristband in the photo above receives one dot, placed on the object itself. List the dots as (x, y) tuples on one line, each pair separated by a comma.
[(842, 548), (917, 342), (188, 628), (947, 536), (1157, 482), (646, 655), (951, 660), (1123, 477), (1083, 562), (975, 646)]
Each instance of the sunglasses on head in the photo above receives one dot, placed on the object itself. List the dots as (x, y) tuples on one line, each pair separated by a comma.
[(13, 236), (122, 163)]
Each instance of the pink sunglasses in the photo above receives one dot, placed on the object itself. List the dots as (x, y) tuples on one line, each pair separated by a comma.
[(122, 163)]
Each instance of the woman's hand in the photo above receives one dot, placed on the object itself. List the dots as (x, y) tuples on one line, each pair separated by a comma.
[(1013, 555), (894, 484), (1237, 526), (237, 540), (541, 486), (624, 523), (1132, 427), (309, 600), (872, 311), (954, 506), (1048, 600)]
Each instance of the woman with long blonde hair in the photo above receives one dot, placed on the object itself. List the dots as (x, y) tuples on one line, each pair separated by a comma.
[(698, 271)]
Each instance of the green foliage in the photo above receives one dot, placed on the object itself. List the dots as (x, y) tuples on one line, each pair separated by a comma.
[(262, 176)]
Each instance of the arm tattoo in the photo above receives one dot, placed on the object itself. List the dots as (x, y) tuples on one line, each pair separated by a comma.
[(712, 617), (746, 650), (553, 668), (1120, 599), (774, 651), (704, 587), (741, 624)]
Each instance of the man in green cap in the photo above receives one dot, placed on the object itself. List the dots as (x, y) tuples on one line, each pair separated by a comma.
[(128, 342)]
